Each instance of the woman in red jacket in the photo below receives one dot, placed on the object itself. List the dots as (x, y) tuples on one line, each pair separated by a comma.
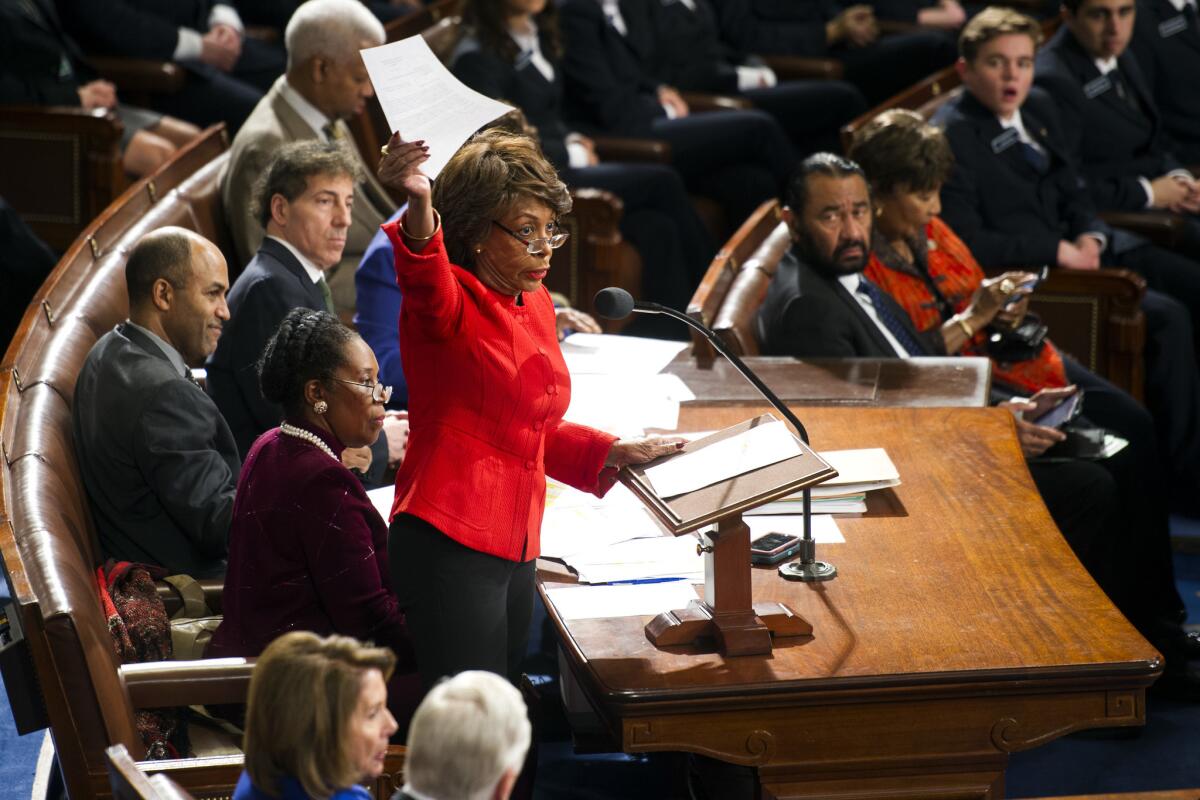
[(487, 392)]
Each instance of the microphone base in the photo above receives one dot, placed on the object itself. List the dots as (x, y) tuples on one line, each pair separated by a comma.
[(808, 572)]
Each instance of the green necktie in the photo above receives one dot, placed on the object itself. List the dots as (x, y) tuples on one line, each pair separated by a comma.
[(328, 295)]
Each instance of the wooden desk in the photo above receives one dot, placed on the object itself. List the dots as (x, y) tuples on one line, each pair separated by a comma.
[(960, 629), (919, 382)]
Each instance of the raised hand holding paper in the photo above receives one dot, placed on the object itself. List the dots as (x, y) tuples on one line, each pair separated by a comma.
[(423, 100)]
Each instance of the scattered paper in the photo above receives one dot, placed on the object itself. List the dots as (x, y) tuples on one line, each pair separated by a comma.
[(640, 559), (825, 529), (423, 100), (868, 465), (592, 602), (382, 499), (606, 354), (568, 530), (750, 450), (626, 405)]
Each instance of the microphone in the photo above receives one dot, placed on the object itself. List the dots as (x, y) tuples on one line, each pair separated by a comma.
[(616, 303)]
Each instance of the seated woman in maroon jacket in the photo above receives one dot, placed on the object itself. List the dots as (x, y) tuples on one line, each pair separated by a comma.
[(487, 390), (307, 550)]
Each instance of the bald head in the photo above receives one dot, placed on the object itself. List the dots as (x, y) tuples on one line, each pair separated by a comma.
[(177, 281)]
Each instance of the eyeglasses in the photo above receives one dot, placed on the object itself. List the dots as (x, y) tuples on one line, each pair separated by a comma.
[(535, 246), (379, 392)]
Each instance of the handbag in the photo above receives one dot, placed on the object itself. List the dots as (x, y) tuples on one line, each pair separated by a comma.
[(193, 625), (1022, 343)]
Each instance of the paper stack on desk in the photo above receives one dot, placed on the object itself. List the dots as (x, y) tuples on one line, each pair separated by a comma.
[(859, 472)]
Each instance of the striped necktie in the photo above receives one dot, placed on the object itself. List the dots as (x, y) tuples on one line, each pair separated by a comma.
[(883, 310), (325, 293)]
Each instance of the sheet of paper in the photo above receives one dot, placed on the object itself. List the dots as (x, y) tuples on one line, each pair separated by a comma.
[(568, 530), (824, 527), (602, 353), (382, 499), (640, 559), (860, 466), (423, 100), (592, 602), (737, 455), (626, 405)]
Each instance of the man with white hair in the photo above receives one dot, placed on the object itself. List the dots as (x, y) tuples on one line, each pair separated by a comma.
[(325, 84), (467, 741)]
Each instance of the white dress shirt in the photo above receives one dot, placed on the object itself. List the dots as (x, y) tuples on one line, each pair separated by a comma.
[(190, 42), (850, 282), (1180, 5), (312, 116), (313, 272)]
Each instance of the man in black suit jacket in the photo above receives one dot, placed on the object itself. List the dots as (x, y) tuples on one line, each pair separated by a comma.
[(1166, 42), (1110, 122), (738, 158), (304, 200), (879, 66), (820, 304), (1016, 200), (157, 459), (689, 55), (227, 72)]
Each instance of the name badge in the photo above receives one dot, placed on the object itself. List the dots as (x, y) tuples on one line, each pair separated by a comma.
[(1005, 140), (1172, 26), (1096, 87)]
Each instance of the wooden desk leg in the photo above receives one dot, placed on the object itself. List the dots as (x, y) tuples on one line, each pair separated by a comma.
[(728, 614)]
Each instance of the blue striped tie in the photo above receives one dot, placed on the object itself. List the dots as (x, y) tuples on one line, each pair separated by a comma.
[(883, 310)]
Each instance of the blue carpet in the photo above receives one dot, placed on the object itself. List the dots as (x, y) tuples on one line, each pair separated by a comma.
[(18, 754)]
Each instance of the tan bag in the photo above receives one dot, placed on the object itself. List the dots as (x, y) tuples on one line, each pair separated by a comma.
[(193, 625)]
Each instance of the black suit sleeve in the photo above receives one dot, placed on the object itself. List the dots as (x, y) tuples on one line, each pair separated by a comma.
[(899, 10), (117, 27), (771, 27), (16, 90), (811, 330), (258, 318), (620, 107), (173, 450)]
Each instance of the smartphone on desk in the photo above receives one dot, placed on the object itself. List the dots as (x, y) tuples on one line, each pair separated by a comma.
[(772, 548)]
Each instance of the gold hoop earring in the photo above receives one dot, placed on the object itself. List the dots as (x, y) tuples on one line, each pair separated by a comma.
[(320, 406)]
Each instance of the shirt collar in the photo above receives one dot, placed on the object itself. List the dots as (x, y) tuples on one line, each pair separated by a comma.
[(1015, 121), (527, 40), (170, 352), (1105, 65), (1180, 5), (851, 281), (313, 272), (311, 115)]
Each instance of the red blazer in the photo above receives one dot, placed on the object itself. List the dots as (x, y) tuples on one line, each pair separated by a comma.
[(487, 389)]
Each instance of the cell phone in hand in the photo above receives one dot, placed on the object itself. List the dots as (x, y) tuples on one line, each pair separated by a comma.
[(772, 548), (1062, 413), (1030, 284)]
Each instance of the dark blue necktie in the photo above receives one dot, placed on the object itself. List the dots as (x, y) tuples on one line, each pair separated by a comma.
[(883, 310), (1034, 158)]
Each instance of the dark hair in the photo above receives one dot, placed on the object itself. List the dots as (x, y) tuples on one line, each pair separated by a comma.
[(898, 149), (165, 253), (488, 19), (288, 172), (830, 164), (489, 173), (307, 345), (992, 23)]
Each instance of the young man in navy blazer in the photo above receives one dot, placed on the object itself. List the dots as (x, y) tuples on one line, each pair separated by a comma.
[(1166, 41), (1111, 122)]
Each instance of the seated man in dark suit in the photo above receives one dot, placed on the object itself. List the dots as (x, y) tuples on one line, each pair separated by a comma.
[(879, 66), (737, 158), (43, 66), (304, 201), (688, 54), (1016, 201), (227, 72), (820, 304), (1166, 41), (1110, 120), (156, 457)]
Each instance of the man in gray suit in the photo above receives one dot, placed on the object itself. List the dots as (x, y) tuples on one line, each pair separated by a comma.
[(325, 84), (304, 202), (157, 459)]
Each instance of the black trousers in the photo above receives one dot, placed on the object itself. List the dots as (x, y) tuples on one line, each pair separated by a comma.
[(811, 112), (465, 609), (737, 158), (660, 222)]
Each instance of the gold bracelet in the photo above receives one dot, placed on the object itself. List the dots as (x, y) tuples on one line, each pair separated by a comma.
[(437, 226), (962, 323)]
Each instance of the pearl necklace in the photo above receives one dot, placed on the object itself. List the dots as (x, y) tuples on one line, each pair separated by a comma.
[(307, 436)]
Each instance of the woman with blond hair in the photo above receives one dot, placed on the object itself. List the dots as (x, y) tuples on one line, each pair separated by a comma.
[(325, 746)]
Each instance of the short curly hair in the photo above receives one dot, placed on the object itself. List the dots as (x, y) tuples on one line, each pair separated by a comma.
[(307, 345), (287, 173), (898, 149), (492, 171)]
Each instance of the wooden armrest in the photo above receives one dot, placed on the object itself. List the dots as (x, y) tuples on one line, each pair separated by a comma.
[(264, 33), (599, 212), (1161, 227), (62, 119), (891, 27), (620, 148), (162, 684), (141, 75), (701, 102), (213, 591), (798, 67)]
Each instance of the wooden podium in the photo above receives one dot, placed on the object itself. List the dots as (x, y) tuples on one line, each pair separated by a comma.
[(728, 612)]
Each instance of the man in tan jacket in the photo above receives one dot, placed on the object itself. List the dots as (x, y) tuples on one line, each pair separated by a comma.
[(325, 83)]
